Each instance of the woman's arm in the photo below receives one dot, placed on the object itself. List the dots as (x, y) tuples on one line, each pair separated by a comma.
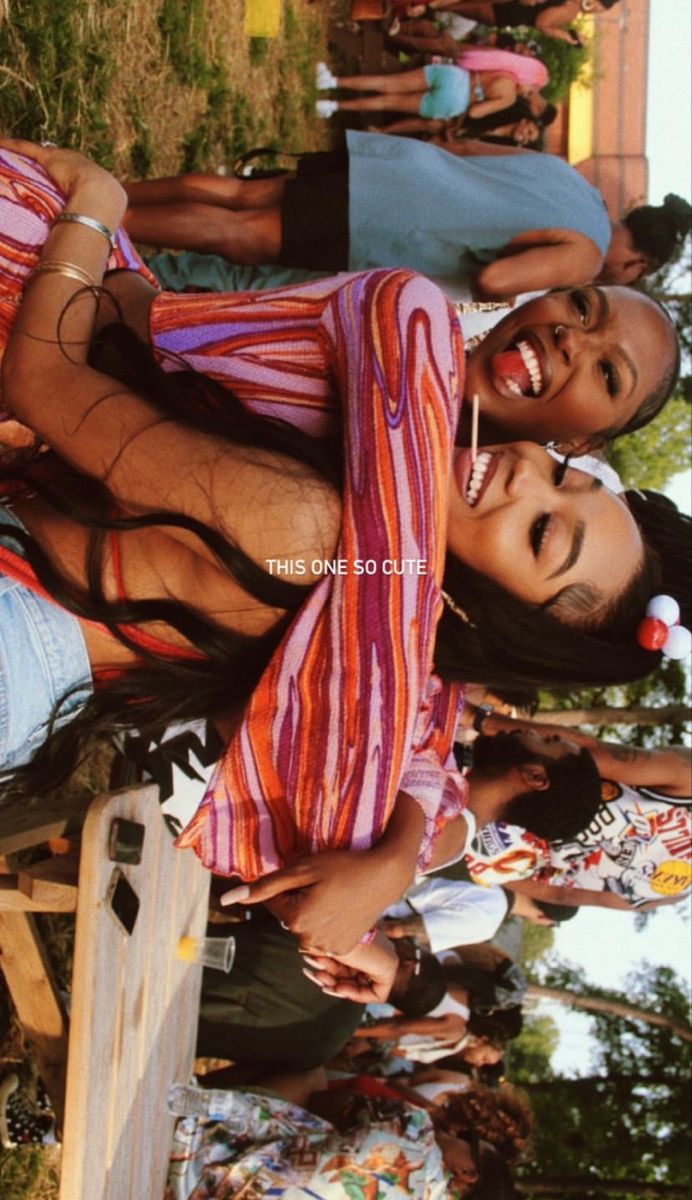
[(541, 258), (348, 707), (366, 975), (448, 1028), (564, 35), (328, 900), (148, 463), (553, 21)]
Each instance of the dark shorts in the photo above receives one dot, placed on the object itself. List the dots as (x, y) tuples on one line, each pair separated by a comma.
[(314, 213)]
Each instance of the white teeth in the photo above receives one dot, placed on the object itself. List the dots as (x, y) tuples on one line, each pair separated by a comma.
[(513, 387), (530, 361), (477, 476)]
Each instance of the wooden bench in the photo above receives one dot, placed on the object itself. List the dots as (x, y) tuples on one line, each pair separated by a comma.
[(134, 1005)]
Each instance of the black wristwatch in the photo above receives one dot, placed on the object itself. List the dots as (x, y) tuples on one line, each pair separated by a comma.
[(483, 711)]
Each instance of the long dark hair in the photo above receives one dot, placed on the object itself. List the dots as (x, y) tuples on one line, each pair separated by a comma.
[(162, 689), (477, 126), (508, 643)]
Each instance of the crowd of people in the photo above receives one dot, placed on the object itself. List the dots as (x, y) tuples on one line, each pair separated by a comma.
[(327, 520)]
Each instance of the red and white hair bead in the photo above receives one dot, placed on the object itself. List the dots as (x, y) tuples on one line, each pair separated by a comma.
[(661, 630)]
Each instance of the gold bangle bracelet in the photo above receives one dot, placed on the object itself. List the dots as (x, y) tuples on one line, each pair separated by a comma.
[(70, 270), (88, 223)]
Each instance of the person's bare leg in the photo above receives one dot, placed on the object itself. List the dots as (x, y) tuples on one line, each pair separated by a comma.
[(467, 8), (408, 102), (439, 43), (247, 238), (398, 82), (226, 191), (418, 27)]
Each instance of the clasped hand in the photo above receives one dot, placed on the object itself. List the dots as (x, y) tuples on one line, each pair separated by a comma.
[(328, 900), (366, 975), (67, 168)]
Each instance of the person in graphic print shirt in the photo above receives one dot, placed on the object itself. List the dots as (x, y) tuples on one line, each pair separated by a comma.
[(636, 852)]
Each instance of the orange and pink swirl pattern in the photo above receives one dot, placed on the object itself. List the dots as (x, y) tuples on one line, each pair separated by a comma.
[(348, 713)]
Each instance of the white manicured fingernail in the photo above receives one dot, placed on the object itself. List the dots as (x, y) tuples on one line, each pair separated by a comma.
[(236, 895)]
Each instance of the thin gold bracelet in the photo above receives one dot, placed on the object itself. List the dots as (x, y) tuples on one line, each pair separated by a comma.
[(88, 223), (70, 270)]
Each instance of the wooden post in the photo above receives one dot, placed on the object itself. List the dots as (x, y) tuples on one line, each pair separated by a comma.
[(39, 1007)]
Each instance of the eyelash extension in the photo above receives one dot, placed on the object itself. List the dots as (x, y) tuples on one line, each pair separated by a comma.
[(582, 304), (539, 527), (538, 530), (611, 379)]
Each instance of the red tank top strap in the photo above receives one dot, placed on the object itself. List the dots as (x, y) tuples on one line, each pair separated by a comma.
[(147, 641), (16, 567)]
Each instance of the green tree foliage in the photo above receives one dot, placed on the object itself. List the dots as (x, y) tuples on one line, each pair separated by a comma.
[(650, 457), (628, 1120), (536, 941), (566, 64), (528, 1056), (671, 287), (667, 685)]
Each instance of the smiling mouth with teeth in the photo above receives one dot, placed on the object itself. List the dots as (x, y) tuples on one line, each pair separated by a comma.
[(478, 471), (519, 369)]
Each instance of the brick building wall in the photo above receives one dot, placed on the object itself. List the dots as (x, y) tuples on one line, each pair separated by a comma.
[(602, 129)]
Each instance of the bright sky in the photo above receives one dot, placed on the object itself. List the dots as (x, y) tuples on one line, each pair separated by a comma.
[(669, 123), (606, 943)]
